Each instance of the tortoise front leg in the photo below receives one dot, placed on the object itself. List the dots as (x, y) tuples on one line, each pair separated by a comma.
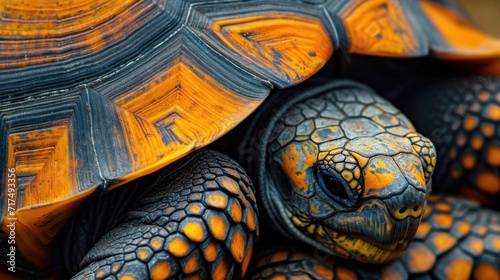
[(462, 118), (199, 220)]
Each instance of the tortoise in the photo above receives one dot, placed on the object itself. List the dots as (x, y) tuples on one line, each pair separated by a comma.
[(456, 239), (98, 94)]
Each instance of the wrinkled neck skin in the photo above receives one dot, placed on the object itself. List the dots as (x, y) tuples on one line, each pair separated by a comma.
[(347, 173)]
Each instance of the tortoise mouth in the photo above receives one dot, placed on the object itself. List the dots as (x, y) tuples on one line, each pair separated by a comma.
[(365, 251)]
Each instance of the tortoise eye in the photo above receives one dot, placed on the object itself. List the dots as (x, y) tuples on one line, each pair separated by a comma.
[(333, 187)]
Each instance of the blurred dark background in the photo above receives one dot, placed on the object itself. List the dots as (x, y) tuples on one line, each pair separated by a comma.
[(485, 14)]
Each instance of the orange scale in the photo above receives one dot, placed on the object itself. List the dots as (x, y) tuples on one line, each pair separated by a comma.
[(238, 246), (390, 273), (236, 213), (477, 142), (488, 182), (220, 271), (250, 219), (469, 161), (218, 227), (229, 185), (488, 129), (442, 241), (194, 230), (191, 265), (443, 207), (493, 155), (492, 112), (423, 229), (246, 261), (161, 270), (210, 252), (463, 228), (459, 268), (420, 258), (483, 96), (442, 220), (345, 273), (178, 247), (279, 256), (470, 123), (486, 271)]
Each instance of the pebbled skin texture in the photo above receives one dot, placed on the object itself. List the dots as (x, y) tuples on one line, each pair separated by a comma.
[(462, 117), (457, 239), (344, 171), (199, 222)]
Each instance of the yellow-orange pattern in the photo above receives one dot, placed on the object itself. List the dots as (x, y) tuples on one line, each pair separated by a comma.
[(260, 41), (380, 27), (35, 27), (196, 108)]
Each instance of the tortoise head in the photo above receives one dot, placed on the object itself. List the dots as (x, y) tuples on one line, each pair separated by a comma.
[(348, 174)]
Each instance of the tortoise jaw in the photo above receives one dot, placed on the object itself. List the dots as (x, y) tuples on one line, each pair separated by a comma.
[(365, 251)]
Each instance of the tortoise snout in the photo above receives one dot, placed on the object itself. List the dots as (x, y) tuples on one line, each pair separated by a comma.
[(408, 204)]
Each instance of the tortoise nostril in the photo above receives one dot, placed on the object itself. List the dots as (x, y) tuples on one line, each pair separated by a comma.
[(402, 210), (416, 208)]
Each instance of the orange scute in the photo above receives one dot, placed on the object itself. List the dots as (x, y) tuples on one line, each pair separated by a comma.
[(44, 25), (178, 93), (380, 28), (304, 51), (464, 41)]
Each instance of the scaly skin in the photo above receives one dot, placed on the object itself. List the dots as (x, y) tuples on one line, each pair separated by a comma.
[(198, 222), (343, 170), (462, 117)]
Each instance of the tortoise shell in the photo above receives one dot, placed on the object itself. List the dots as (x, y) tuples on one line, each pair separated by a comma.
[(95, 94)]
